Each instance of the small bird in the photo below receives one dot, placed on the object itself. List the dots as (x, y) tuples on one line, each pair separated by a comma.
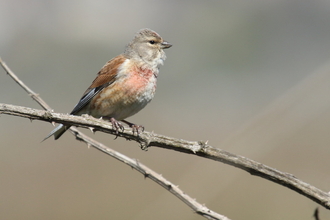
[(125, 84)]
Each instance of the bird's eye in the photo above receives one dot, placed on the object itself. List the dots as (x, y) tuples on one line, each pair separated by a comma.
[(152, 42)]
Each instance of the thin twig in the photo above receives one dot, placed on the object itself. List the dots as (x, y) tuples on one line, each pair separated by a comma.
[(147, 172), (34, 95), (159, 179), (148, 139)]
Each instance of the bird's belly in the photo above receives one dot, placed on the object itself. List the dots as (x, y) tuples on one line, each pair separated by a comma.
[(123, 101)]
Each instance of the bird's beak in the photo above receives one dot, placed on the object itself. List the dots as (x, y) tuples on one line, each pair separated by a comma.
[(166, 45)]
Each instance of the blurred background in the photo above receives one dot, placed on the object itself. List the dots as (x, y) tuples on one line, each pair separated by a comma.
[(251, 77)]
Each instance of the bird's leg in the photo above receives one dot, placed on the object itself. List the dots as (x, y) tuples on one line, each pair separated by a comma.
[(116, 125), (135, 128)]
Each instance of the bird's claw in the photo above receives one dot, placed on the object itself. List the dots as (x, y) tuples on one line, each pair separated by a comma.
[(138, 129), (116, 125)]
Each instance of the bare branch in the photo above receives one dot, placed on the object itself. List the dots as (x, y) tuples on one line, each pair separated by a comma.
[(147, 172), (34, 95), (148, 139)]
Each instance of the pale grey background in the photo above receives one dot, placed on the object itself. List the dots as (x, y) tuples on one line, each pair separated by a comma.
[(251, 77)]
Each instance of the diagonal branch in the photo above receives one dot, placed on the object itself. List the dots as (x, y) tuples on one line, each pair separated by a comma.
[(147, 172), (34, 95), (159, 179), (148, 139)]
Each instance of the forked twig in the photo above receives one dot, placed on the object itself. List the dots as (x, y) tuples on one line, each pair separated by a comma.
[(147, 172)]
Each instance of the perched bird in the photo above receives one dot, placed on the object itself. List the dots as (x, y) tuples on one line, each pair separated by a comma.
[(125, 84)]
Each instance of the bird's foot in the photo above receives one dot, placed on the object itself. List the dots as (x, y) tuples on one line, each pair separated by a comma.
[(116, 125), (138, 129)]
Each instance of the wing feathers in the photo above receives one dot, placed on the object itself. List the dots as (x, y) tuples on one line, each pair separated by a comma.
[(105, 77), (108, 72)]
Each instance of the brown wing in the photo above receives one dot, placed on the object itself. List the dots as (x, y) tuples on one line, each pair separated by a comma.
[(105, 77)]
